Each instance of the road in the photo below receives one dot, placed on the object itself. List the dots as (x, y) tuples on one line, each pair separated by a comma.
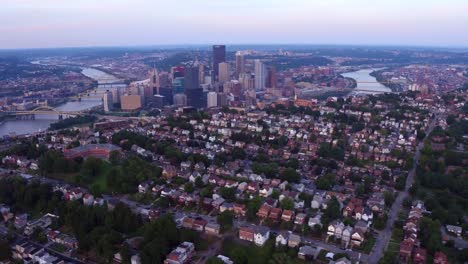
[(384, 236)]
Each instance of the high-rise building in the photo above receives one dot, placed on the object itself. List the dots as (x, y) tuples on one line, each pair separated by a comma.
[(164, 80), (107, 101), (191, 79), (178, 84), (116, 95), (247, 82), (271, 81), (154, 82), (168, 95), (201, 74), (131, 102), (177, 71), (180, 99), (222, 100), (196, 98), (260, 75), (223, 70), (212, 99), (240, 64), (219, 55)]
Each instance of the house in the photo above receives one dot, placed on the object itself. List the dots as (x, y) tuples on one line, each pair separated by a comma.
[(265, 191), (300, 219), (306, 253), (88, 199), (287, 215), (317, 201), (21, 221), (187, 222), (275, 214), (440, 258), (361, 226), (212, 229), (282, 238), (181, 254), (420, 256), (341, 261), (247, 233), (315, 221), (98, 202), (454, 229), (264, 211), (144, 186), (406, 249), (366, 214), (262, 234), (357, 237), (335, 229), (346, 236), (294, 240), (240, 210), (199, 225)]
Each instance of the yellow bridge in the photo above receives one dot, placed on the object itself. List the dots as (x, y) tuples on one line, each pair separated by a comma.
[(43, 110)]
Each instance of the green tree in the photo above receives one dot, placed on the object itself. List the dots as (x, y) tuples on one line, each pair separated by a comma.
[(287, 204), (225, 220)]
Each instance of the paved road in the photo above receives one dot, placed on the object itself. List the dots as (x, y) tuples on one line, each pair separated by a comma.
[(384, 236)]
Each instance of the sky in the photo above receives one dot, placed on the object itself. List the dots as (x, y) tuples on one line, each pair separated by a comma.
[(77, 23)]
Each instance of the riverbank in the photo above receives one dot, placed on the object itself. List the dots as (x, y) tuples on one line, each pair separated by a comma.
[(42, 122)]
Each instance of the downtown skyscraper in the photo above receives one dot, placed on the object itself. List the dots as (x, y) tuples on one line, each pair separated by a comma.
[(219, 55), (260, 75)]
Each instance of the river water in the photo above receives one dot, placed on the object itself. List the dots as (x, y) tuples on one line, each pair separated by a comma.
[(366, 83), (42, 122)]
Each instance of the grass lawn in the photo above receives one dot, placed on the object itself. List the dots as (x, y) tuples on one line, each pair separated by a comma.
[(367, 246), (393, 246)]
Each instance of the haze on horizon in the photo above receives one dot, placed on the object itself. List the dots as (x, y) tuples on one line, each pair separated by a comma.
[(59, 23)]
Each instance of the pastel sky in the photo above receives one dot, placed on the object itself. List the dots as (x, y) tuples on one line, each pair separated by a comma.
[(73, 23)]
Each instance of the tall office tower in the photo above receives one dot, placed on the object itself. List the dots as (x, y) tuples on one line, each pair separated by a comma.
[(191, 79), (168, 95), (107, 101), (164, 80), (177, 71), (141, 92), (223, 71), (219, 55), (148, 93), (180, 100), (178, 84), (259, 75), (116, 95), (240, 63), (212, 99), (247, 82), (196, 97), (271, 81), (154, 82), (201, 74), (222, 100)]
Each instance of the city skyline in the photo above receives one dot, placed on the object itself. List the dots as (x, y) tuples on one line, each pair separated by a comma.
[(52, 23)]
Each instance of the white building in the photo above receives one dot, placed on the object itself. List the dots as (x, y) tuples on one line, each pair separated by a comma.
[(260, 75), (212, 99), (108, 101)]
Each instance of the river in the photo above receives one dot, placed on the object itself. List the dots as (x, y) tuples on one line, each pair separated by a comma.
[(42, 122), (366, 82)]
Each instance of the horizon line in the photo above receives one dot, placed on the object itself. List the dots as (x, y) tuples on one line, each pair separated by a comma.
[(209, 44)]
